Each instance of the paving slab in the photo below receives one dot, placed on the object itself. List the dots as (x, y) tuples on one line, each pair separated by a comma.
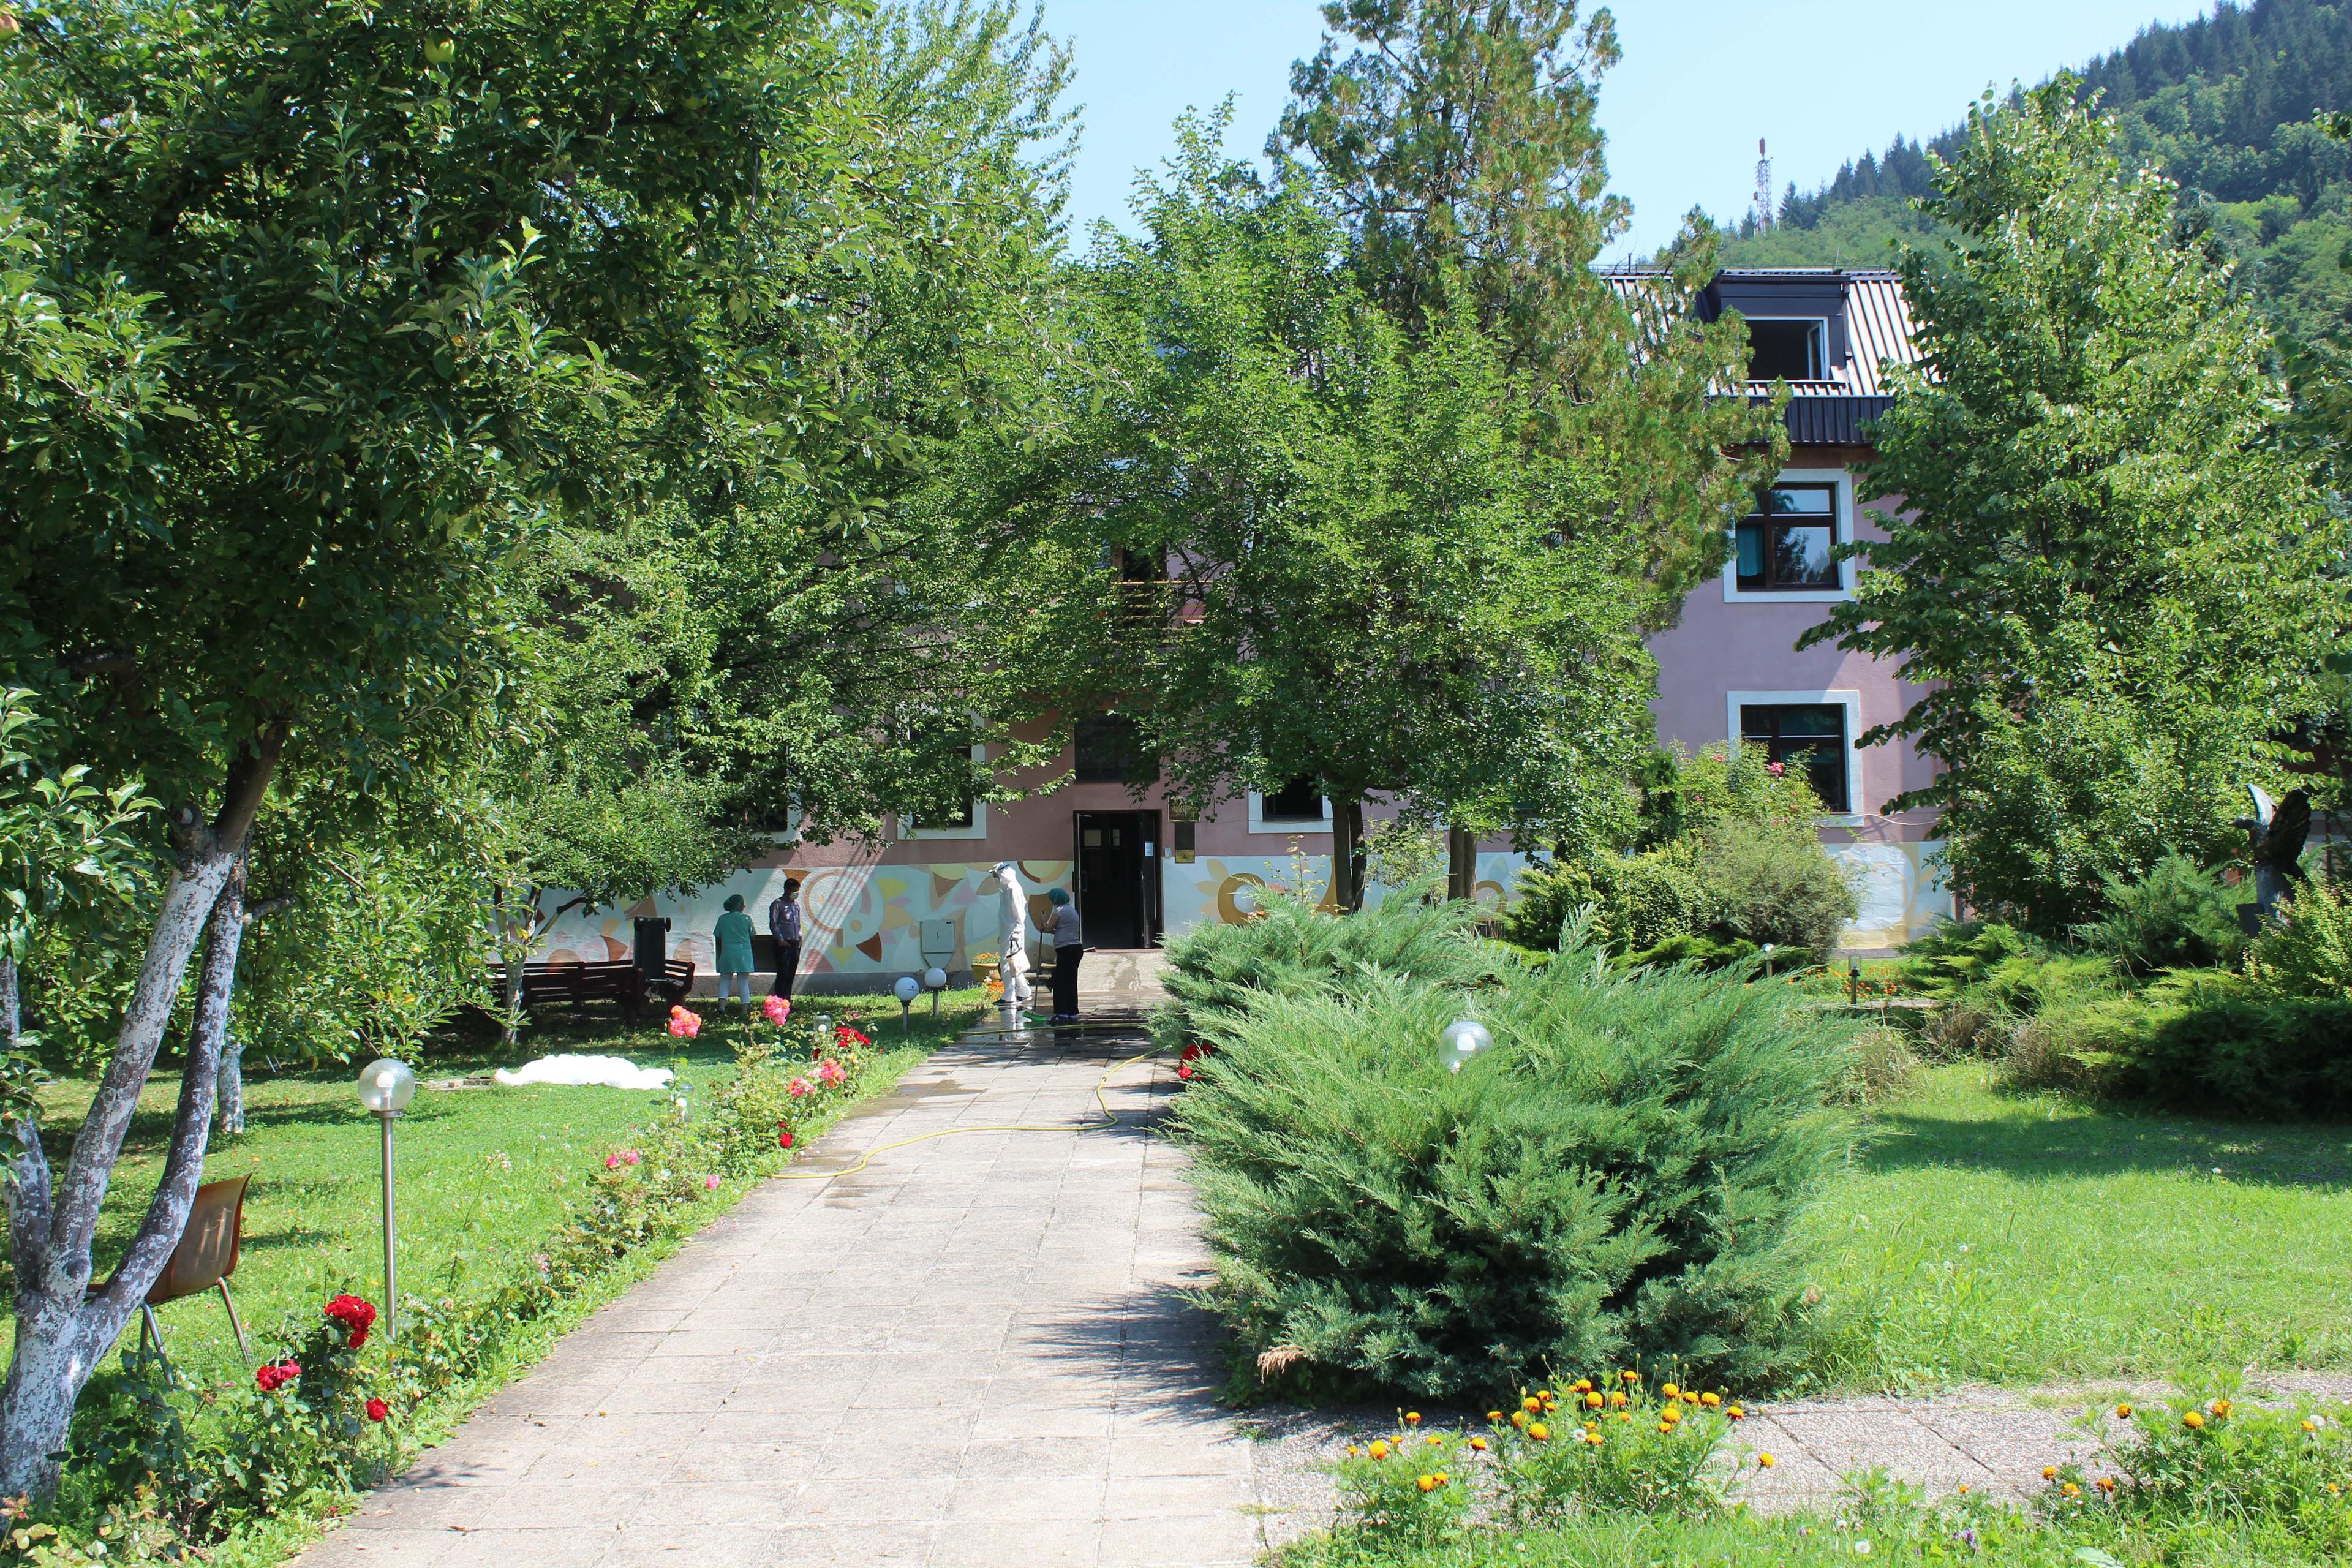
[(974, 1352)]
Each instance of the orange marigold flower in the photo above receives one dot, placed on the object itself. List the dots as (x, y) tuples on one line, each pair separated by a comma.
[(2220, 1408), (2123, 1412), (1494, 1416), (2106, 1483), (1412, 1417), (2073, 1491)]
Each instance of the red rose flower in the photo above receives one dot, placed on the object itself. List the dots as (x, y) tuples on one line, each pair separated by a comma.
[(270, 1379), (785, 1139), (377, 1409), (356, 1315)]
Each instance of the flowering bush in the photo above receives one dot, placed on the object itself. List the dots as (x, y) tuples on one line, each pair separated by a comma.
[(2212, 1460), (1612, 1445), (1410, 1489)]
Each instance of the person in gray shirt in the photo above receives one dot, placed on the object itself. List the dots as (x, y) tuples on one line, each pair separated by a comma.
[(1069, 946)]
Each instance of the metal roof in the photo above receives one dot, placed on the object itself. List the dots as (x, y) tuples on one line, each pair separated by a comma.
[(1878, 331)]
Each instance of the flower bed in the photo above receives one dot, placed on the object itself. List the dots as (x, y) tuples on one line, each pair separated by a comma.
[(163, 1469)]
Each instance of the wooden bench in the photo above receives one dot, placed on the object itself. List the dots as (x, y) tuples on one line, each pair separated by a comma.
[(617, 981)]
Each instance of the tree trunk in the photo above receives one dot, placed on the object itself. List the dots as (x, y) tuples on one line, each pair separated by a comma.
[(1461, 863), (222, 941), (61, 1328), (11, 1023), (510, 1023), (1348, 854)]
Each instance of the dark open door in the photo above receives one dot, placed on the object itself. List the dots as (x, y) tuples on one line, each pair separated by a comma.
[(1118, 877)]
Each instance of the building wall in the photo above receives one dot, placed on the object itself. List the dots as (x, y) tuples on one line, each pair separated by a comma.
[(1727, 646)]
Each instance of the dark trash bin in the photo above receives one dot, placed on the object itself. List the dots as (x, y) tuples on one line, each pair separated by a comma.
[(650, 946)]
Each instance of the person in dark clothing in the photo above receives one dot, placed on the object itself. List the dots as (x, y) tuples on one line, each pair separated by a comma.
[(784, 925), (1069, 946)]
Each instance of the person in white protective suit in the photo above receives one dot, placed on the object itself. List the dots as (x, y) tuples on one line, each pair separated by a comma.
[(1018, 993)]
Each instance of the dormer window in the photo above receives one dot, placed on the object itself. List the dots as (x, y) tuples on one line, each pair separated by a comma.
[(1782, 350)]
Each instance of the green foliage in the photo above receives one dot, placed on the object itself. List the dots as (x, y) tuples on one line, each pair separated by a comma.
[(2179, 916), (1734, 863), (2109, 581), (1216, 972), (1952, 956), (1617, 1176), (2214, 1462), (2307, 952), (1408, 1488)]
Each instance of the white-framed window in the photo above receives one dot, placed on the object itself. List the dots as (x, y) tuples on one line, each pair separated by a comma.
[(1295, 808), (1810, 731), (1782, 552), (972, 822)]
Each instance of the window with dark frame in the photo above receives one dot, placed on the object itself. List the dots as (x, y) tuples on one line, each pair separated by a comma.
[(1110, 749), (1788, 545), (1807, 735), (1300, 800), (1785, 350)]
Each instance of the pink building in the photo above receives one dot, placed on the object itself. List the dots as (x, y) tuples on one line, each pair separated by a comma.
[(1729, 672)]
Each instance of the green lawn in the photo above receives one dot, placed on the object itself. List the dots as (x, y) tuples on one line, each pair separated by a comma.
[(1989, 1236), (483, 1174)]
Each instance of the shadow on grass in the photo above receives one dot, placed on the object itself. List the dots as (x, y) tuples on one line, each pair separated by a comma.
[(2045, 1138)]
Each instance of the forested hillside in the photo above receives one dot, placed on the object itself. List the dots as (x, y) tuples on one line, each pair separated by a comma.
[(2223, 105)]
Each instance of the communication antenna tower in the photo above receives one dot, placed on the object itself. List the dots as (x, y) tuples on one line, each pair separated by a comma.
[(1763, 186)]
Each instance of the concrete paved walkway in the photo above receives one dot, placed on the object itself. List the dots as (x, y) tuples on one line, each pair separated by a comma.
[(971, 1353)]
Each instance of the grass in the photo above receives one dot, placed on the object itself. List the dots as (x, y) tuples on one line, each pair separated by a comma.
[(483, 1174), (1612, 1539), (1995, 1238)]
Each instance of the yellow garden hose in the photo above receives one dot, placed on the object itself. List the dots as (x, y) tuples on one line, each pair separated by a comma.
[(1111, 1120)]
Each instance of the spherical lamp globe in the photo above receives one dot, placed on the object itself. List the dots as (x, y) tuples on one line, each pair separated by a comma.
[(1464, 1039), (907, 988), (386, 1085), (935, 978)]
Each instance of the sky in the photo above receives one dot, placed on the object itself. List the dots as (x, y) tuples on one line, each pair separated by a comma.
[(1820, 81)]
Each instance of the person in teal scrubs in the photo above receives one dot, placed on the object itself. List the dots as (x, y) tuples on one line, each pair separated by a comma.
[(732, 937)]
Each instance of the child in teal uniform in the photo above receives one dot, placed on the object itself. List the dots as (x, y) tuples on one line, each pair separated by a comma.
[(732, 936)]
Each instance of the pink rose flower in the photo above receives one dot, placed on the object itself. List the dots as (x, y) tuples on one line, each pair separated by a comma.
[(798, 1086), (831, 1072), (709, 1183), (778, 1008), (683, 1025)]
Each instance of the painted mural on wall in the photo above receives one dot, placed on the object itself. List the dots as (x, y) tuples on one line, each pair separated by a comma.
[(1223, 888), (856, 919), (1900, 892)]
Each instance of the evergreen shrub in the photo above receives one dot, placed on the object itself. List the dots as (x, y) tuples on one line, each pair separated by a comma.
[(2307, 950), (1619, 1177), (2179, 916)]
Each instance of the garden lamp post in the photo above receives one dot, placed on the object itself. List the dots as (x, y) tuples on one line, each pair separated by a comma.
[(907, 989), (935, 980), (385, 1089), (1464, 1039)]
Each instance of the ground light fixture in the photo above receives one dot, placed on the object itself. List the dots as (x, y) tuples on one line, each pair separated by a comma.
[(385, 1089), (907, 989), (1464, 1039), (935, 980)]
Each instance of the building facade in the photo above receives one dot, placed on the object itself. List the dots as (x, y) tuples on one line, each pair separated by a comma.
[(1729, 673)]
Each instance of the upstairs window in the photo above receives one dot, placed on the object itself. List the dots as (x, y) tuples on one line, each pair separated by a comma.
[(1786, 351), (1110, 751), (1807, 736), (1787, 542)]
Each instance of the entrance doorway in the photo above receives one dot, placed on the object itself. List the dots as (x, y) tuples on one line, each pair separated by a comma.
[(1117, 889)]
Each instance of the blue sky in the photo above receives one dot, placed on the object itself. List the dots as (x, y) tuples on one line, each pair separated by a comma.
[(1701, 81)]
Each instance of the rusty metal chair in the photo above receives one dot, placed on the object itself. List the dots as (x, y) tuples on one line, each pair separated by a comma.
[(203, 1261)]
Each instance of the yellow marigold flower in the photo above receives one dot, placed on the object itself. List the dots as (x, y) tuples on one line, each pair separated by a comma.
[(1441, 1478), (2073, 1491), (1543, 1393), (2334, 1488), (1539, 1431), (1433, 1440), (1519, 1418), (1354, 1452), (1380, 1450), (1667, 1427), (1625, 1415), (2309, 1425), (1531, 1404), (1478, 1444), (2049, 1472), (2106, 1483), (1671, 1391), (1710, 1400), (1584, 1385), (1964, 1488), (1494, 1416), (2220, 1408), (2194, 1420), (1412, 1417), (1593, 1401), (1426, 1483), (1630, 1376), (1688, 1397), (1670, 1415), (1618, 1399), (2123, 1412), (1764, 1461)]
